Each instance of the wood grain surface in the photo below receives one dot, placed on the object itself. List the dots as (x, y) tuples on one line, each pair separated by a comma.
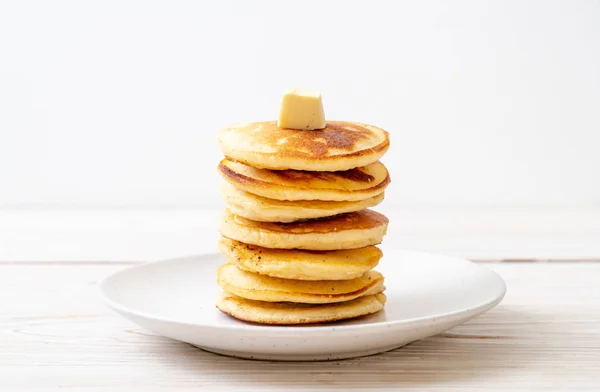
[(56, 334)]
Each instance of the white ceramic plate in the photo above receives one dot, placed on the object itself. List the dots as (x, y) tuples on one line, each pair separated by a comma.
[(427, 294)]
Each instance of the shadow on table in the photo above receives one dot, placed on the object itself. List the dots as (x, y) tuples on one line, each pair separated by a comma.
[(500, 342)]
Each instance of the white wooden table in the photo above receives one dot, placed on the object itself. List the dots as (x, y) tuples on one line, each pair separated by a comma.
[(55, 334)]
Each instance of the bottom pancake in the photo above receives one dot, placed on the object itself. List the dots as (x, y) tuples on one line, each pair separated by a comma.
[(265, 288), (286, 313)]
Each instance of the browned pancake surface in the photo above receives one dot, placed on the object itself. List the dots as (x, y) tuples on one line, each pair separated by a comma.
[(338, 138), (365, 219), (371, 177)]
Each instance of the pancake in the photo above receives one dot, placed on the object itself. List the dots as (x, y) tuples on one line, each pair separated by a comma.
[(290, 313), (265, 288), (300, 264), (262, 209), (339, 146), (348, 231), (350, 185)]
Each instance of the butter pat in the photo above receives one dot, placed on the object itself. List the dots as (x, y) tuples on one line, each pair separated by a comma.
[(301, 109)]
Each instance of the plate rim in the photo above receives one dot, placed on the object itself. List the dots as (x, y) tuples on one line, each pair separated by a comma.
[(101, 289)]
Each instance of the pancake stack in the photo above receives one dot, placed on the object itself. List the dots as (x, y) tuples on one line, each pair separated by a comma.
[(298, 235)]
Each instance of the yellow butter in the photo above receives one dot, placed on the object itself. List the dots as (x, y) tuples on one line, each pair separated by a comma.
[(301, 109)]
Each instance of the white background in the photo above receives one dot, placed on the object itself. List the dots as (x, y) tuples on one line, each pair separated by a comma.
[(109, 112), (117, 103)]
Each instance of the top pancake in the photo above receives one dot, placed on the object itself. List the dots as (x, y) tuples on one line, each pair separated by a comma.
[(339, 146)]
